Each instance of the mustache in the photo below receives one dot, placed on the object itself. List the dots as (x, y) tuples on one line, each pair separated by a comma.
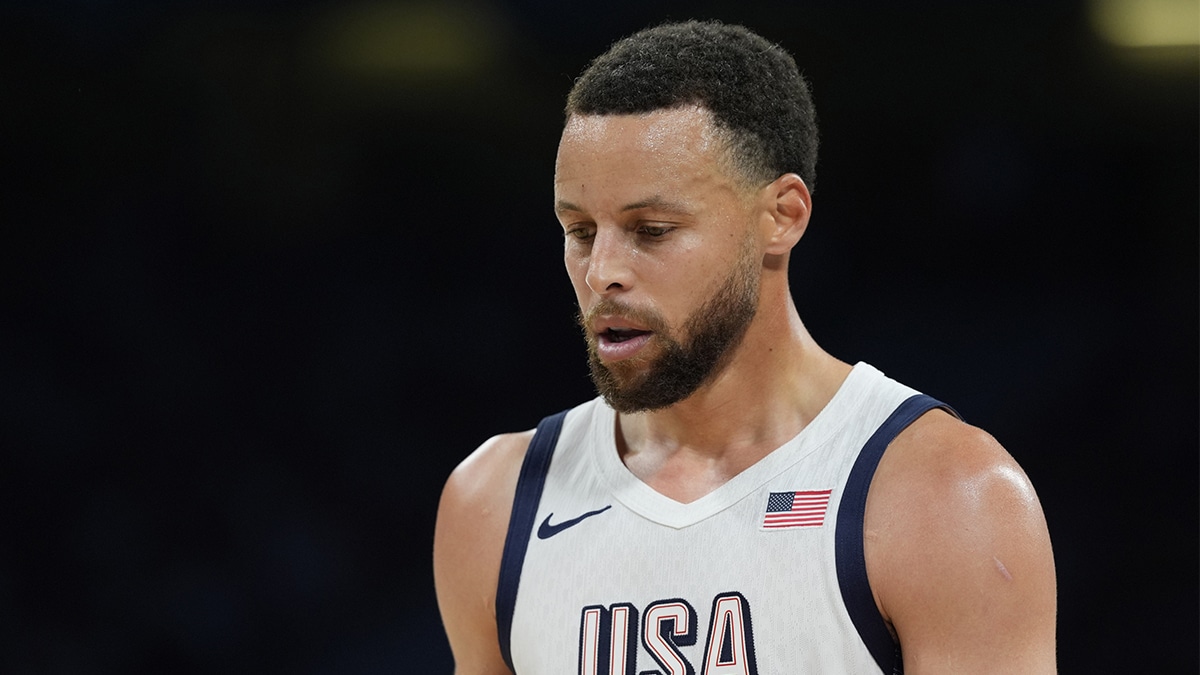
[(652, 320)]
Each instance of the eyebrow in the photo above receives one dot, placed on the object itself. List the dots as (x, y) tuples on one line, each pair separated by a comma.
[(657, 202)]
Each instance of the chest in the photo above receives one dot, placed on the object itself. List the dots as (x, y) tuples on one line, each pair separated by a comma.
[(753, 588)]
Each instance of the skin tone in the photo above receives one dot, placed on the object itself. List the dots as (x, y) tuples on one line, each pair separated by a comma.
[(653, 217)]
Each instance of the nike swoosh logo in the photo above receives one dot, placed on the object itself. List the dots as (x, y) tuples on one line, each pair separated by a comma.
[(546, 530)]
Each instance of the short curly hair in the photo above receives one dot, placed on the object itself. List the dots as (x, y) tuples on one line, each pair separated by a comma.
[(751, 87)]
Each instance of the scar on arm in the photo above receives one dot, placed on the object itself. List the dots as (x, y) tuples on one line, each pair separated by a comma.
[(1002, 569)]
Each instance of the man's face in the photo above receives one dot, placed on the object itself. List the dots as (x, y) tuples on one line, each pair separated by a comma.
[(659, 249)]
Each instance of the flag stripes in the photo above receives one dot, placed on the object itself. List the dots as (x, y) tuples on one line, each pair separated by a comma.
[(802, 508)]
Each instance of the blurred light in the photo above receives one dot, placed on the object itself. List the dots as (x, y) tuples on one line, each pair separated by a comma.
[(407, 41), (1147, 23)]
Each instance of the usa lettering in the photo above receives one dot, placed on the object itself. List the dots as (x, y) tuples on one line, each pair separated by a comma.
[(666, 629)]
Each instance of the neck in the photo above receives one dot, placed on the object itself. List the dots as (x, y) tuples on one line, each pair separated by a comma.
[(770, 389)]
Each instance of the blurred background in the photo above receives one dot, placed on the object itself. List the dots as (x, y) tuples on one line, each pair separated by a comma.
[(271, 270)]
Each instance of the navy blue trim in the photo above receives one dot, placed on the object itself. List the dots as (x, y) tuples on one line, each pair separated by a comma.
[(851, 562), (520, 525)]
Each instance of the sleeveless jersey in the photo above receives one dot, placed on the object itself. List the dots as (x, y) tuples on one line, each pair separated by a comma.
[(602, 575)]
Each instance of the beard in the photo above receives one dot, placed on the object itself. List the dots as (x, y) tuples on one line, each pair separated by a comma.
[(684, 364)]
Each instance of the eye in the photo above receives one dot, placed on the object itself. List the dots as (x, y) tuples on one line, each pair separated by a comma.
[(581, 232), (654, 231)]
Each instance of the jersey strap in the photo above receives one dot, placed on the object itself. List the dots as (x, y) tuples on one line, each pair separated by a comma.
[(520, 525), (851, 562)]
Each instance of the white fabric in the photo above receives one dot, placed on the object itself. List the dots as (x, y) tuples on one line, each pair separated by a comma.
[(649, 548)]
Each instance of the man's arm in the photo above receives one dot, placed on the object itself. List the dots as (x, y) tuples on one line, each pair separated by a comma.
[(958, 553), (467, 546)]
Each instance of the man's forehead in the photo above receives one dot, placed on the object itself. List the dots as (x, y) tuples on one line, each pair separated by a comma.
[(655, 131), (606, 162)]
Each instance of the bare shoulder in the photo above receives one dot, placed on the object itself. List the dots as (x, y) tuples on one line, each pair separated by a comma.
[(958, 553), (491, 466), (952, 462), (468, 544)]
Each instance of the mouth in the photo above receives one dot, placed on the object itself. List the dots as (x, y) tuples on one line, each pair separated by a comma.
[(618, 343), (617, 335)]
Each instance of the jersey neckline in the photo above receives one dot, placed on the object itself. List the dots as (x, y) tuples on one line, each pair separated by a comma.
[(644, 500)]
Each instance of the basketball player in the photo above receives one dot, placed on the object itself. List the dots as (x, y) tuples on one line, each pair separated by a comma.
[(736, 500)]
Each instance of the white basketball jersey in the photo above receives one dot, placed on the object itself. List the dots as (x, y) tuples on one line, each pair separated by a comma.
[(604, 576)]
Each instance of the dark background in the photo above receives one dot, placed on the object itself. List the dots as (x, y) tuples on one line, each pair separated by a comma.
[(270, 270)]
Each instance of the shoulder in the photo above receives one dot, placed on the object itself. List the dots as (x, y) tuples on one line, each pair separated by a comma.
[(946, 459), (491, 467), (468, 543), (940, 462), (958, 552), (476, 500)]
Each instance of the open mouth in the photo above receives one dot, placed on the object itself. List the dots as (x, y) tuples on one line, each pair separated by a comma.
[(622, 334)]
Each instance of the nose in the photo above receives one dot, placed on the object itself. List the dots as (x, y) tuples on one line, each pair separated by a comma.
[(610, 263)]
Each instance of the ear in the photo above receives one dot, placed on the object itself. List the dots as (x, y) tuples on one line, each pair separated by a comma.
[(788, 206)]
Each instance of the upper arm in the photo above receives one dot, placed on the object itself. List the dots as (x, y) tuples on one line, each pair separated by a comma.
[(468, 543), (958, 553)]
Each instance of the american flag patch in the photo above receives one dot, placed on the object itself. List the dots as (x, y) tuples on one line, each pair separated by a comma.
[(803, 508)]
